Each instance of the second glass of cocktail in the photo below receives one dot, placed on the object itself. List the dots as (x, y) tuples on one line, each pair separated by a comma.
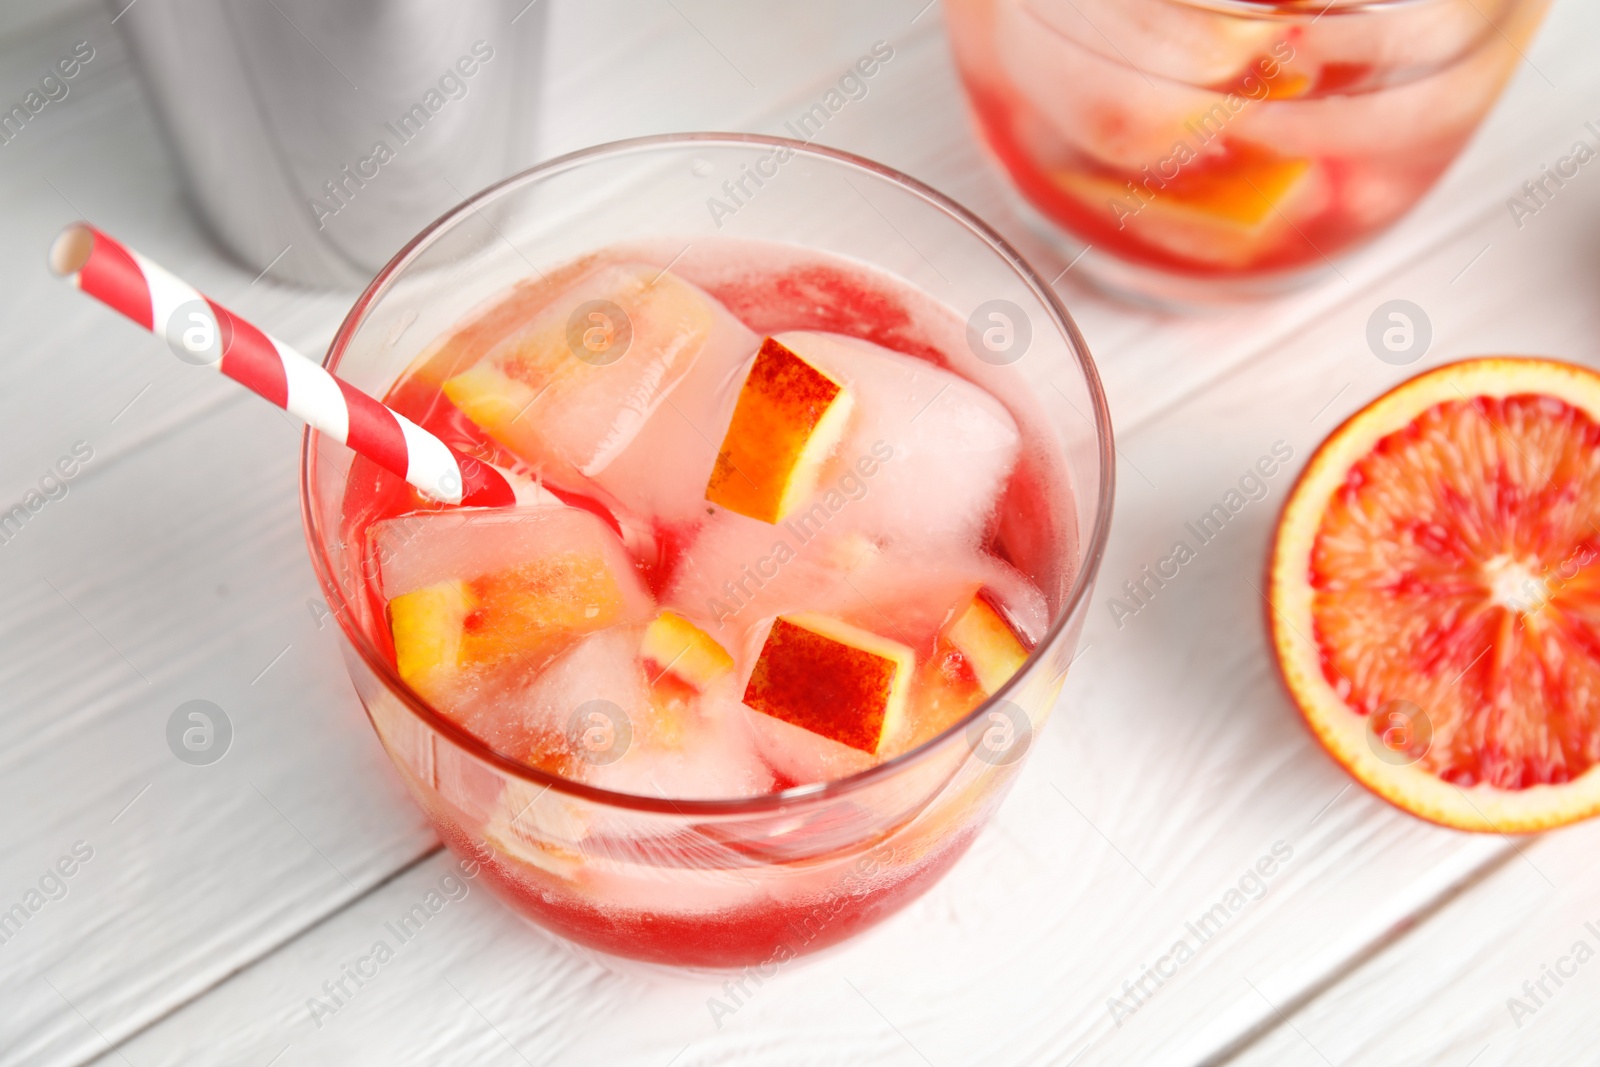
[(1197, 149), (814, 479)]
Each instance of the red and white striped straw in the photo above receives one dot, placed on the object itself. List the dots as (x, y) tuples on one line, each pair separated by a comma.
[(204, 332)]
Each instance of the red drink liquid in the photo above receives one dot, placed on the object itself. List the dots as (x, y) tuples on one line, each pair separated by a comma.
[(961, 548)]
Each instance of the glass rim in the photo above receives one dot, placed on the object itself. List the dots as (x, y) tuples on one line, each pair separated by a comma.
[(1297, 10), (1094, 545)]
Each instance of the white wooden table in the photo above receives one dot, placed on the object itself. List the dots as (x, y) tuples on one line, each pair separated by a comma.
[(218, 899)]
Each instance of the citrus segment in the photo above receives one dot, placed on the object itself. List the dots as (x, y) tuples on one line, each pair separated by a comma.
[(1435, 588)]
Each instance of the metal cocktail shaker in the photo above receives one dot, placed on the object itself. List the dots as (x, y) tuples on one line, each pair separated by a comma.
[(318, 137)]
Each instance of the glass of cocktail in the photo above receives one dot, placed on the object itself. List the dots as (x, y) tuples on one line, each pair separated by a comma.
[(816, 475), (1211, 148)]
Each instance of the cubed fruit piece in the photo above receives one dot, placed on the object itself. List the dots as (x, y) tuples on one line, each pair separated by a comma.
[(831, 678), (975, 653), (945, 691), (927, 453), (428, 626), (675, 646), (1230, 211), (790, 415), (527, 612), (579, 380), (470, 592), (988, 643)]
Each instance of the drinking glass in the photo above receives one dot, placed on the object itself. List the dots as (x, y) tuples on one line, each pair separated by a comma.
[(755, 880), (1207, 149)]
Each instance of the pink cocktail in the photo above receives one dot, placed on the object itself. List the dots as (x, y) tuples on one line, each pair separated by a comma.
[(1229, 140), (798, 562)]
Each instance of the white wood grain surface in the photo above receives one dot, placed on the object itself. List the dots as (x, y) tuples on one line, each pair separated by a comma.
[(1506, 975), (220, 898)]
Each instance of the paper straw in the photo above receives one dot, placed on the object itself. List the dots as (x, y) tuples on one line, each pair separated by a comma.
[(205, 333)]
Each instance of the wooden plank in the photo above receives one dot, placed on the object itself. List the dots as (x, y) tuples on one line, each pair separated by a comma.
[(1176, 763), (1504, 976), (174, 573), (1009, 960), (174, 569), (1176, 767)]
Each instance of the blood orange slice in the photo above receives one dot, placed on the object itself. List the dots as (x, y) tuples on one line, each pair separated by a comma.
[(1435, 593)]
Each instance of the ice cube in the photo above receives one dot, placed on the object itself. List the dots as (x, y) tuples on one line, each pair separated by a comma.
[(714, 757), (1403, 40), (663, 471), (625, 732), (565, 717), (417, 550), (735, 575), (926, 455), (799, 757), (478, 601), (731, 576), (735, 571), (1159, 39), (1410, 126), (579, 380), (1095, 104)]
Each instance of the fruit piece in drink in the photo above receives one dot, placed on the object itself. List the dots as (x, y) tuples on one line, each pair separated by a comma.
[(987, 642), (788, 419), (675, 646), (832, 678), (1228, 210), (470, 593), (975, 654)]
